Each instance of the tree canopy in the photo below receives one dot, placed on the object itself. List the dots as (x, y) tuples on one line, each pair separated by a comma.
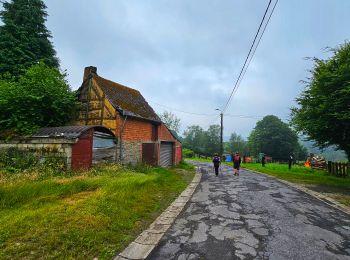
[(24, 38), (171, 121), (39, 98), (323, 111), (237, 144), (201, 141), (274, 138)]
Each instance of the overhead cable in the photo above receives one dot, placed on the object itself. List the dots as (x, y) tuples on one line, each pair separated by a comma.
[(248, 56), (256, 46), (182, 111)]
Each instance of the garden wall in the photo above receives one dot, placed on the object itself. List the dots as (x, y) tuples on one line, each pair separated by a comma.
[(43, 147)]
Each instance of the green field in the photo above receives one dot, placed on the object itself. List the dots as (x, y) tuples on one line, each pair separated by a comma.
[(82, 215), (300, 174)]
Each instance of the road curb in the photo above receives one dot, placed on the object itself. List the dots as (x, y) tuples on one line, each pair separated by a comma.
[(143, 245), (329, 201)]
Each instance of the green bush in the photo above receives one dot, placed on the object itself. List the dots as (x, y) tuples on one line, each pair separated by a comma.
[(187, 153), (39, 98)]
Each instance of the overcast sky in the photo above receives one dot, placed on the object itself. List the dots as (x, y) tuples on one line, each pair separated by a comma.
[(186, 55)]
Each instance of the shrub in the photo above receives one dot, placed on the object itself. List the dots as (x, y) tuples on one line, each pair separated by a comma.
[(187, 153)]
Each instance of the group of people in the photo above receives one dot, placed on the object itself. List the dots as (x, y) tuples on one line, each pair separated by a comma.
[(236, 163)]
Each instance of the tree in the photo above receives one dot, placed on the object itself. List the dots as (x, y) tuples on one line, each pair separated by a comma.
[(171, 121), (323, 112), (194, 139), (212, 140), (300, 152), (273, 137), (24, 38), (39, 98), (237, 143)]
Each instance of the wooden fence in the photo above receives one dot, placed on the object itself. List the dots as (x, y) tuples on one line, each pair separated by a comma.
[(338, 169)]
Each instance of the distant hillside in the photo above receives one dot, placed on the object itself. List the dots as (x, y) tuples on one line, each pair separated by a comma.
[(329, 153)]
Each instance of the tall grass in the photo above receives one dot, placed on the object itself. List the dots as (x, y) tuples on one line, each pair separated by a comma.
[(89, 214)]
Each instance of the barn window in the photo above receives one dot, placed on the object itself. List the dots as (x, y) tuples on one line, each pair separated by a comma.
[(104, 147)]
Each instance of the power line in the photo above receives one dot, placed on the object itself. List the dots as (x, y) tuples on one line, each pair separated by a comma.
[(182, 111), (251, 47), (256, 46), (212, 115), (251, 116), (245, 62)]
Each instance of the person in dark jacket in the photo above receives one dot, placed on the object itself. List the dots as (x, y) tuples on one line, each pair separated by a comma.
[(263, 160), (216, 162), (290, 161), (236, 163)]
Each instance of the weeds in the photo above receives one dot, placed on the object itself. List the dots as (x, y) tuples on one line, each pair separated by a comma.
[(83, 214)]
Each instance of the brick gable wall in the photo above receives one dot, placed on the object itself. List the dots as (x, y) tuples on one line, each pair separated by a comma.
[(135, 130), (164, 134)]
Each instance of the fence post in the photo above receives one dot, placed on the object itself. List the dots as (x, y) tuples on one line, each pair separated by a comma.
[(336, 168), (330, 167), (344, 169)]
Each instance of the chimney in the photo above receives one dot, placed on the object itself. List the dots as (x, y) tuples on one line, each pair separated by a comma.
[(88, 71)]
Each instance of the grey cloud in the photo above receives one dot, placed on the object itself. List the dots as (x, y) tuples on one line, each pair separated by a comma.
[(188, 54)]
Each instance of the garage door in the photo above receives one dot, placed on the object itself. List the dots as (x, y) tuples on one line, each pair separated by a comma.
[(166, 154)]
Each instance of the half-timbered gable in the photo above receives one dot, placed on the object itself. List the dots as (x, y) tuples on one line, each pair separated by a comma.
[(142, 136)]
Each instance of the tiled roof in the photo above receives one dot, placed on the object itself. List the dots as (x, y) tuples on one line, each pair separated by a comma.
[(126, 100), (68, 131)]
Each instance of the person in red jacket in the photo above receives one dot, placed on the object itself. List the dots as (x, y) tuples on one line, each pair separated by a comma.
[(236, 163)]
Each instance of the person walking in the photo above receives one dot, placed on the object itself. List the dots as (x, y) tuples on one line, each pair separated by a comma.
[(290, 161), (263, 160), (236, 163), (216, 162)]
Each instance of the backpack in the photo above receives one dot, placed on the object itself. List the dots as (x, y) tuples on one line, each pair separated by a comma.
[(216, 160), (236, 158)]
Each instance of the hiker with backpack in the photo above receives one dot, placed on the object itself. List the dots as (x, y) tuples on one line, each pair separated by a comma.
[(236, 163), (216, 162)]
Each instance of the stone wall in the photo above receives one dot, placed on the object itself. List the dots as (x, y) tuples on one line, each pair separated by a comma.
[(132, 151), (43, 147)]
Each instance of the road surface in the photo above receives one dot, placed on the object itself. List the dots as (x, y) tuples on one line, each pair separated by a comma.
[(253, 216)]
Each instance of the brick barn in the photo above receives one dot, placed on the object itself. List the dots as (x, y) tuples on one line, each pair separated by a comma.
[(142, 137)]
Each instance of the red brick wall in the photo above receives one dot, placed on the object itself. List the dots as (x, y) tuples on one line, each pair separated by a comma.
[(143, 131), (136, 130), (82, 152), (164, 134), (178, 152)]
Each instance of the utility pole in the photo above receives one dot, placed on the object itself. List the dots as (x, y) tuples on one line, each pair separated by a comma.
[(221, 135)]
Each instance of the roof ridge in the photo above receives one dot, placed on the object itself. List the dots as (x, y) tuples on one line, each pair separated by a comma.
[(121, 85), (126, 100)]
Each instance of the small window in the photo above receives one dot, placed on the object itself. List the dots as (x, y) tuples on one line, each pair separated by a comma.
[(102, 140)]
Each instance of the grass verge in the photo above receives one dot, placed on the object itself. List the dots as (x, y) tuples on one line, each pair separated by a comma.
[(84, 215), (317, 180)]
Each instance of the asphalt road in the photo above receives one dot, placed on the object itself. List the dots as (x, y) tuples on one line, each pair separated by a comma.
[(253, 216)]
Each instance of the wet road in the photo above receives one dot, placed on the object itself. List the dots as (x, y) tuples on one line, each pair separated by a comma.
[(253, 216)]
